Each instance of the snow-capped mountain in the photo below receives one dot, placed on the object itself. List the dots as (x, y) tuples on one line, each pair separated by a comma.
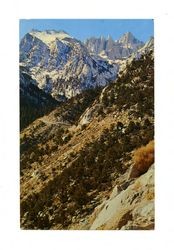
[(62, 65), (108, 48)]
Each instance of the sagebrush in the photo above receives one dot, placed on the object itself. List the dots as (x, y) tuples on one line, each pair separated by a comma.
[(144, 157)]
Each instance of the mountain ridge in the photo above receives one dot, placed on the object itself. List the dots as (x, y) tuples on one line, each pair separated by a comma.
[(120, 48), (63, 66)]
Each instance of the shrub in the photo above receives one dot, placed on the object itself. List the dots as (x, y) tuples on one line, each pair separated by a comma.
[(120, 125), (80, 195), (83, 126), (143, 158), (131, 127)]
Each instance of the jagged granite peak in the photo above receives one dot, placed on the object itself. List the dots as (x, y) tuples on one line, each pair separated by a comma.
[(96, 45), (129, 41), (127, 38), (121, 48), (62, 65)]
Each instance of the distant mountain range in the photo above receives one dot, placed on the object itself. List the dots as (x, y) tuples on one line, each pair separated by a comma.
[(119, 49), (63, 66), (55, 67)]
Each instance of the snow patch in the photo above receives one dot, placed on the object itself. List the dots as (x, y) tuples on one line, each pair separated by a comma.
[(49, 37)]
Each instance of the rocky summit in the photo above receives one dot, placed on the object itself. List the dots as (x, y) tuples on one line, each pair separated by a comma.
[(118, 49), (87, 147)]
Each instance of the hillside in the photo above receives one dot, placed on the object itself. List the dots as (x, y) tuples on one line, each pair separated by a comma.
[(34, 102), (85, 158)]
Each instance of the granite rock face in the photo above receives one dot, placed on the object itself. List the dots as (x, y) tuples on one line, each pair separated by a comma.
[(132, 208), (119, 49)]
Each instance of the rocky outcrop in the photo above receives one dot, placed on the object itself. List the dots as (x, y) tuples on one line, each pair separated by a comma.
[(132, 208)]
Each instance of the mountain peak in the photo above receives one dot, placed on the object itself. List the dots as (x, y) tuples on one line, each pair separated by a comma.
[(128, 34), (48, 36), (50, 31), (56, 32), (127, 38), (109, 37), (130, 41)]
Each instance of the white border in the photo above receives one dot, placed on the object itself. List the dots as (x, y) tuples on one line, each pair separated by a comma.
[(11, 236)]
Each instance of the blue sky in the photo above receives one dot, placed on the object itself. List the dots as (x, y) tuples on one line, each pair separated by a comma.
[(85, 28)]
